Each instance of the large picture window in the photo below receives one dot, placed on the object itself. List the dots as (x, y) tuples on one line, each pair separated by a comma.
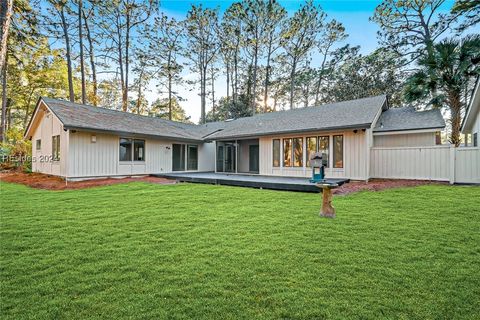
[(311, 148), (287, 152), (56, 148), (323, 147), (131, 149), (276, 152), (298, 152), (338, 151)]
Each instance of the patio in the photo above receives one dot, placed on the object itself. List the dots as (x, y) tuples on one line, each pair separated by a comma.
[(253, 181)]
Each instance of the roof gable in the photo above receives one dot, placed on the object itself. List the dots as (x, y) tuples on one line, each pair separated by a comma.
[(407, 118)]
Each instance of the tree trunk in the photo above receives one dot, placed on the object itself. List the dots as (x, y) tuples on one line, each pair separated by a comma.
[(292, 83), (71, 93), (455, 104), (320, 79), (92, 61), (127, 47), (267, 78), (254, 80), (227, 65), (80, 43), (139, 92), (6, 10), (120, 60), (170, 116), (212, 70), (203, 78), (4, 100), (27, 109)]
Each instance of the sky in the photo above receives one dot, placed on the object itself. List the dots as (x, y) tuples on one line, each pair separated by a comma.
[(354, 14)]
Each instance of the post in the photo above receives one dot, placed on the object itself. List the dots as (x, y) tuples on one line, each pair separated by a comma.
[(452, 164), (327, 211)]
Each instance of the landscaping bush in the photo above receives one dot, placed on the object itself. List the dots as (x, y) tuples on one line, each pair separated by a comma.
[(15, 152)]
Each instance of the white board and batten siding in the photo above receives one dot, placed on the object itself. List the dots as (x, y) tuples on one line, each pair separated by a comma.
[(354, 156), (440, 163), (101, 158), (404, 140), (48, 126)]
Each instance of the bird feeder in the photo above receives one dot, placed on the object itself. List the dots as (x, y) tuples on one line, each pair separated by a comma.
[(318, 162)]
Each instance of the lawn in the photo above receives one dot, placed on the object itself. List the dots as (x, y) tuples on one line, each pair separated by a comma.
[(196, 251)]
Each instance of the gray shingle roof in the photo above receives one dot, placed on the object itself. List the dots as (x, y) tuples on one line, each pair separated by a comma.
[(358, 113), (347, 114), (79, 116), (398, 119)]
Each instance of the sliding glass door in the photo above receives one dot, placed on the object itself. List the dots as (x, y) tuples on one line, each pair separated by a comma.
[(184, 156)]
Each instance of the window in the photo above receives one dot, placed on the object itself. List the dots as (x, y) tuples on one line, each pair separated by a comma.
[(56, 148), (438, 138), (39, 144), (475, 139), (138, 150), (125, 149), (298, 152), (287, 152), (323, 147), (276, 152), (338, 151), (311, 148), (192, 157), (178, 157)]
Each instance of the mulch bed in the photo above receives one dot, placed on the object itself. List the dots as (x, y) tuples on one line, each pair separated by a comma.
[(380, 184), (43, 181)]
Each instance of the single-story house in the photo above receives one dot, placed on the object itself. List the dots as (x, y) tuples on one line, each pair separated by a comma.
[(471, 121), (78, 141)]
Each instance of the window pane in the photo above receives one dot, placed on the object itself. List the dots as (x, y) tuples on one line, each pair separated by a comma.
[(298, 152), (338, 151), (192, 157), (311, 148), (125, 149), (138, 150), (56, 148), (39, 144), (276, 152), (178, 157), (287, 152), (475, 139), (323, 148)]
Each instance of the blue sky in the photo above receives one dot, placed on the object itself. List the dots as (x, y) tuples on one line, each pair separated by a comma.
[(353, 14)]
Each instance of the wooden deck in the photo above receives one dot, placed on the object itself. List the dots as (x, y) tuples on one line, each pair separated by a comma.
[(252, 181)]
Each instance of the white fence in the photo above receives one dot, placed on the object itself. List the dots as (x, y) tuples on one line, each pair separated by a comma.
[(442, 163)]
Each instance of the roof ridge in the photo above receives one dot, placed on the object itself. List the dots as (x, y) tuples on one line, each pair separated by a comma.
[(115, 110)]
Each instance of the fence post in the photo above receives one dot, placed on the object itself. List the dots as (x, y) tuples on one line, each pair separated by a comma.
[(452, 164)]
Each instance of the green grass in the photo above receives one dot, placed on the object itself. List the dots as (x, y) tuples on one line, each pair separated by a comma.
[(196, 251)]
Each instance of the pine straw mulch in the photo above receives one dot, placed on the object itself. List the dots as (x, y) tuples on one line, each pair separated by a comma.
[(380, 184), (43, 181)]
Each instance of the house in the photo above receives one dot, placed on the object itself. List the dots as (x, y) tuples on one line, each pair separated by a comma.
[(77, 141), (471, 121)]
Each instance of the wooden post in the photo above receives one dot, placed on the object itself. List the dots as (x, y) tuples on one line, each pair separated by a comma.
[(327, 211)]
